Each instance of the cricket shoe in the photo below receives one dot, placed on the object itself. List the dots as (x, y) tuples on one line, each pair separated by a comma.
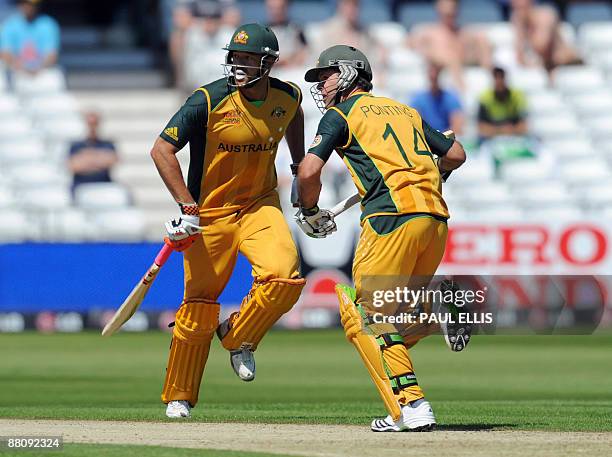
[(457, 334), (416, 417), (241, 360), (178, 409), (243, 363)]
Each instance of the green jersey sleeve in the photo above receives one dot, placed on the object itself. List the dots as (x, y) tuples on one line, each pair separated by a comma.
[(332, 133), (438, 143), (189, 121)]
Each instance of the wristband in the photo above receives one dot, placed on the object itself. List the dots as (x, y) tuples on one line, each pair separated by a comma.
[(189, 209), (294, 168), (310, 211)]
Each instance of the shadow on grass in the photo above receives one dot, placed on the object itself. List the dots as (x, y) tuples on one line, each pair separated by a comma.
[(473, 427)]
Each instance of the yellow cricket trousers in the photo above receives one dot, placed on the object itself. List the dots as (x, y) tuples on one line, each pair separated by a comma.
[(413, 249), (260, 232)]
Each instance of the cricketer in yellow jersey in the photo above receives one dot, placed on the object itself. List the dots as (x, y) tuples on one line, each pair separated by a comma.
[(230, 205), (387, 148)]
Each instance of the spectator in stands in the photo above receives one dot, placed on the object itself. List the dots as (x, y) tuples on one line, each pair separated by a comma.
[(288, 33), (92, 158), (538, 36), (182, 18), (439, 107), (204, 42), (449, 45), (231, 16), (344, 27), (502, 110), (30, 40)]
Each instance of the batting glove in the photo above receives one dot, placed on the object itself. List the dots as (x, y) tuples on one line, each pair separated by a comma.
[(315, 222), (183, 230)]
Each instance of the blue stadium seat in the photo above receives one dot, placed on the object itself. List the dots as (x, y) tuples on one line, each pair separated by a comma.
[(579, 13), (310, 11), (372, 14), (411, 14), (474, 11), (374, 11), (252, 11)]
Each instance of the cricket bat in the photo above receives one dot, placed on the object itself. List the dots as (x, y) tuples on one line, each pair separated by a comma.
[(133, 301), (345, 204), (448, 134)]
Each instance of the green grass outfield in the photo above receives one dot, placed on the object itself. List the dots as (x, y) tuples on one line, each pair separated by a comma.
[(499, 382)]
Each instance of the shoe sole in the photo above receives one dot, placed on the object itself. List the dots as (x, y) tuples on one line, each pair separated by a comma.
[(422, 428), (458, 331), (460, 341), (252, 378)]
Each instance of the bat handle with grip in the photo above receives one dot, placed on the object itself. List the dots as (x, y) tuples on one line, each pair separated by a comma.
[(163, 255)]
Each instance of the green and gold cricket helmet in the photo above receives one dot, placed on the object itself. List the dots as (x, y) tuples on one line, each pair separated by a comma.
[(340, 54), (255, 38)]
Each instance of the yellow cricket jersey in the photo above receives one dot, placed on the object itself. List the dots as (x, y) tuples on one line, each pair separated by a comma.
[(233, 143), (388, 150)]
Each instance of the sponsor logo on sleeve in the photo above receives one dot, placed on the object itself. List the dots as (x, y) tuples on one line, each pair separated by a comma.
[(172, 132)]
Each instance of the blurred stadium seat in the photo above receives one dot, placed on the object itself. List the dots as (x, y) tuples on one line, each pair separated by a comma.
[(507, 213), (7, 200), (101, 196), (559, 215), (545, 102), (46, 198), (22, 151), (575, 173), (309, 11), (416, 13), (541, 195), (9, 105), (56, 104), (574, 79), (489, 195), (16, 227), (475, 172), (479, 11), (68, 225), (571, 148), (597, 196), (390, 35), (63, 128), (500, 34), (38, 174), (595, 36), (121, 225), (372, 12), (579, 13), (46, 82), (521, 172), (546, 127), (530, 80), (16, 126), (592, 104), (253, 11), (599, 127)]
